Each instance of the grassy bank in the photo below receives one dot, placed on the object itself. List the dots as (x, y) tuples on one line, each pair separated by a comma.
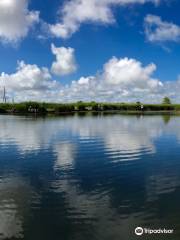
[(57, 108)]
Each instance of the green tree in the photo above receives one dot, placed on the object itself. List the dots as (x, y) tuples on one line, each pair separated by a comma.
[(166, 100)]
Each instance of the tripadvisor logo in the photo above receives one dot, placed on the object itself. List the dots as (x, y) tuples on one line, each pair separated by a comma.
[(140, 231)]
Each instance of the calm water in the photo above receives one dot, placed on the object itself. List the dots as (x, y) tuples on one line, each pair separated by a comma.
[(91, 177)]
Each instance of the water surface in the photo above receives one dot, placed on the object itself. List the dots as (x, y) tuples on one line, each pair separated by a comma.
[(88, 177)]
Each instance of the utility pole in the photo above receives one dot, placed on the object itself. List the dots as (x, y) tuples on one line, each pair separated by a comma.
[(4, 95)]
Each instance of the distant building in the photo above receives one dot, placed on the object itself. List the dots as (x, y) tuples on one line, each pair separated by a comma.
[(100, 107), (89, 108), (33, 109)]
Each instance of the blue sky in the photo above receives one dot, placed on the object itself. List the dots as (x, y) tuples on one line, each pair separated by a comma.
[(109, 50)]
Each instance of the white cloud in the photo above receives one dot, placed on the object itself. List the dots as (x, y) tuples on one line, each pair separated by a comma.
[(120, 80), (27, 77), (76, 12), (65, 61), (129, 72), (15, 19), (157, 30), (28, 81), (84, 81)]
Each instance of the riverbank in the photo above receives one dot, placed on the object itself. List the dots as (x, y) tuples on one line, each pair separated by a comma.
[(60, 108)]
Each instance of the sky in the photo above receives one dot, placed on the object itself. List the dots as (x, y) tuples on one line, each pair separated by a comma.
[(90, 50)]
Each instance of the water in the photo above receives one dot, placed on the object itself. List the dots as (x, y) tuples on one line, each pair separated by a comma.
[(89, 177)]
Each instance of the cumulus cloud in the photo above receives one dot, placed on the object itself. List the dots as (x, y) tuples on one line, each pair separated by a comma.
[(157, 30), (28, 81), (120, 80), (16, 19), (129, 72), (94, 11), (65, 61)]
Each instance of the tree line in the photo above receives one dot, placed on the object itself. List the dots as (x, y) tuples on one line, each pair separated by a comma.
[(37, 107)]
